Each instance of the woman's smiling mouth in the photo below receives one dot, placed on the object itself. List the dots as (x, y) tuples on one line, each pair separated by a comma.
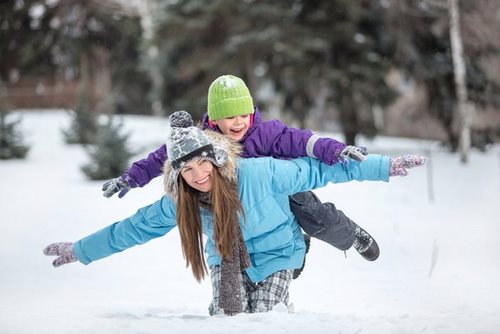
[(204, 180)]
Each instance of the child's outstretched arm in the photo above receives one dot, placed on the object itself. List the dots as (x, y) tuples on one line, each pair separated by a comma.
[(275, 139), (138, 175)]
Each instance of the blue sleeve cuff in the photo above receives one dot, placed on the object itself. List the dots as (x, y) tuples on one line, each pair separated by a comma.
[(384, 168), (77, 249)]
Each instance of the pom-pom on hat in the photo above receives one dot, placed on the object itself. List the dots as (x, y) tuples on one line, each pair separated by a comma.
[(185, 142), (228, 96)]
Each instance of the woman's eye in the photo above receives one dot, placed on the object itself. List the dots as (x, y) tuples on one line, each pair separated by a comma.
[(202, 161)]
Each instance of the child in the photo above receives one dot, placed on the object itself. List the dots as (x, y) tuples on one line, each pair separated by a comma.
[(253, 240), (232, 113)]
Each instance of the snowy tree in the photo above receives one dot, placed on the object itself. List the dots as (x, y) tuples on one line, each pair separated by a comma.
[(109, 156), (300, 47), (11, 139), (49, 38), (347, 45), (424, 52), (84, 122)]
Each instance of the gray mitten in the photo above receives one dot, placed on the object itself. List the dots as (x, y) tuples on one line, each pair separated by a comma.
[(353, 152), (115, 185), (399, 165), (64, 251)]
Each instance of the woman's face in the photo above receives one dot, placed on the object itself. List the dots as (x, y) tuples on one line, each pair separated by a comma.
[(198, 174)]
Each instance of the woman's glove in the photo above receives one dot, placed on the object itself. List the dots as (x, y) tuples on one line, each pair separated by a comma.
[(111, 187), (64, 251), (399, 165), (353, 152)]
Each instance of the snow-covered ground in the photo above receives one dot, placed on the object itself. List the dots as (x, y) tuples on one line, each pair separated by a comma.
[(438, 230)]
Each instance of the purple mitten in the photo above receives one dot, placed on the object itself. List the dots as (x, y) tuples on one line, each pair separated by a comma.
[(64, 251), (399, 165)]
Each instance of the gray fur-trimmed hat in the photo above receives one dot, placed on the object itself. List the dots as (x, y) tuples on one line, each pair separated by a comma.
[(185, 142)]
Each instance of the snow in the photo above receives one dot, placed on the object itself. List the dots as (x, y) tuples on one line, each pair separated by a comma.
[(437, 228), (229, 81)]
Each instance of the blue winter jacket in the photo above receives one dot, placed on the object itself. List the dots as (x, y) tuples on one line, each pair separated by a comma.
[(272, 235)]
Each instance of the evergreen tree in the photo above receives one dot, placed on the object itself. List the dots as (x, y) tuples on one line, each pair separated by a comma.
[(346, 45), (11, 139), (26, 38), (84, 122), (301, 47), (109, 155), (49, 38), (423, 52), (195, 42), (84, 125)]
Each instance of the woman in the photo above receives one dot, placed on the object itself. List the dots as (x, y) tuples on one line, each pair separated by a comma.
[(253, 240)]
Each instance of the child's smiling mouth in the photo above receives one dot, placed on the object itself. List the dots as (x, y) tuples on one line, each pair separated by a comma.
[(237, 131)]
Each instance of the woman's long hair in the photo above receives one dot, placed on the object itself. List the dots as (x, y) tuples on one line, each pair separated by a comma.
[(226, 208)]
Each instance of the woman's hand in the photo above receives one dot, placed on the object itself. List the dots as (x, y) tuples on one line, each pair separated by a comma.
[(399, 165), (64, 251)]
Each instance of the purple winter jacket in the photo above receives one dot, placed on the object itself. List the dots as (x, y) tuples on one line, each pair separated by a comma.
[(263, 139)]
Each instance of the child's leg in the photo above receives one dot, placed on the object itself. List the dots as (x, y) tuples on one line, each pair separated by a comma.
[(264, 295), (213, 308), (324, 222)]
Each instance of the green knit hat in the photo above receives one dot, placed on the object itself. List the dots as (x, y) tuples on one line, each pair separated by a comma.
[(228, 96)]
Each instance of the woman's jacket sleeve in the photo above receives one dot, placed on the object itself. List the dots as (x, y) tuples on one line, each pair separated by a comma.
[(297, 175), (147, 223)]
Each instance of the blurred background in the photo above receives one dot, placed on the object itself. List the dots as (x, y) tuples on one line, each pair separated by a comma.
[(425, 69)]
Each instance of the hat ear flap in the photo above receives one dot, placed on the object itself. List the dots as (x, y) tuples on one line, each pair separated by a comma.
[(221, 156)]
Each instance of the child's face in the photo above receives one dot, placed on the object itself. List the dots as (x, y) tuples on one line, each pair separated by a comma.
[(198, 174), (234, 127)]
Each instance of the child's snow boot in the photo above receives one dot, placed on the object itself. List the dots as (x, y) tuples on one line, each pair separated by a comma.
[(364, 243)]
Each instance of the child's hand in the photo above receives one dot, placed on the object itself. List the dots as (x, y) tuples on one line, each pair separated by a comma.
[(399, 166), (64, 251), (353, 152), (115, 185)]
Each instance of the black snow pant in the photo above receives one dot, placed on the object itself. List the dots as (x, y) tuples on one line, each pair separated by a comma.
[(322, 220)]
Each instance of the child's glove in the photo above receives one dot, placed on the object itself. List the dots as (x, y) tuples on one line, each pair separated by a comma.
[(353, 152), (399, 166), (115, 185), (62, 249)]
